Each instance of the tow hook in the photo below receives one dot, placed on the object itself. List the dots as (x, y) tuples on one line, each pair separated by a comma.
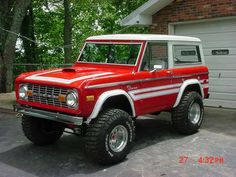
[(19, 115)]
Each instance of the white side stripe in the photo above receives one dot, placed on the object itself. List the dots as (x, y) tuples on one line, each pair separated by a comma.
[(149, 89), (45, 72), (205, 85), (154, 94), (158, 91), (65, 81)]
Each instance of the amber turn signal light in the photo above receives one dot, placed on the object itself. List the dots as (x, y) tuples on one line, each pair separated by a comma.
[(90, 98), (62, 98), (29, 93)]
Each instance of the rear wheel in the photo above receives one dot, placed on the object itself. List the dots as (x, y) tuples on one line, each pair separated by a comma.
[(41, 131), (110, 136), (187, 117)]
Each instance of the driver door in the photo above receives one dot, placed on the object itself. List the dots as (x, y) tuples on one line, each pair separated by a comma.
[(157, 92)]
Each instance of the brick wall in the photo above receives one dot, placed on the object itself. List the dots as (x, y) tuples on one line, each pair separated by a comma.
[(186, 10)]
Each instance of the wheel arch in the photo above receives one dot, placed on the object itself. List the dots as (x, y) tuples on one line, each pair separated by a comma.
[(108, 95), (191, 85)]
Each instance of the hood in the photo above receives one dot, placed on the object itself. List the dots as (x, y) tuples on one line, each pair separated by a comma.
[(70, 76)]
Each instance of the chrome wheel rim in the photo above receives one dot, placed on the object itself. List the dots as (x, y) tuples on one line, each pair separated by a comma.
[(195, 113), (118, 138)]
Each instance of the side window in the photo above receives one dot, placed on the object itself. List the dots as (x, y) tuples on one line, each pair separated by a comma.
[(186, 54), (155, 54)]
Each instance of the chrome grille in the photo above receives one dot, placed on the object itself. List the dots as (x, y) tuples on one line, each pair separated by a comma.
[(47, 95)]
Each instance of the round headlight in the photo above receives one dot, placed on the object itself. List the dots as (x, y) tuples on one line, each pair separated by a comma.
[(23, 92), (72, 99)]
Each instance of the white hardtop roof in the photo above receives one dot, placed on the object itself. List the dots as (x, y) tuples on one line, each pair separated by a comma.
[(144, 37)]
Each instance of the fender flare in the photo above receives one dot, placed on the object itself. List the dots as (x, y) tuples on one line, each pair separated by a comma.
[(184, 86), (103, 97)]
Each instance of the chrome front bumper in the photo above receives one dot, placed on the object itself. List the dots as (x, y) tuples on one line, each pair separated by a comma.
[(67, 119)]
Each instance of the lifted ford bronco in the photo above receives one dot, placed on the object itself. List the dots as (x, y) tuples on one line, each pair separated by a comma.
[(116, 79)]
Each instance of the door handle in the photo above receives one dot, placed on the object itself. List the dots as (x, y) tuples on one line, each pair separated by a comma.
[(169, 72)]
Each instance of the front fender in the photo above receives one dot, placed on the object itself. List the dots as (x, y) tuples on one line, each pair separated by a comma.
[(103, 97)]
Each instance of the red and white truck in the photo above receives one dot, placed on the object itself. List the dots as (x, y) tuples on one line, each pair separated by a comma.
[(115, 79)]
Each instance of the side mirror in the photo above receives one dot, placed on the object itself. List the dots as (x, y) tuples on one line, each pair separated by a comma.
[(156, 67)]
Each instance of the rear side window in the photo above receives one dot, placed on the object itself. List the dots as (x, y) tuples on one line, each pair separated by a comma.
[(186, 54)]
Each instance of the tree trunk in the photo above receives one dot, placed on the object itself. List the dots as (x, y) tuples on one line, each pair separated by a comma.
[(5, 15), (27, 29), (9, 47), (67, 31)]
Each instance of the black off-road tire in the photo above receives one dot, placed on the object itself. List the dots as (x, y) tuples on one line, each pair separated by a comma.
[(41, 131), (180, 114), (98, 133)]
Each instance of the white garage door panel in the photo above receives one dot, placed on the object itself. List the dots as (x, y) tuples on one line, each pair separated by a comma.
[(223, 44), (223, 96), (217, 35), (207, 27), (220, 103), (226, 66), (220, 59), (222, 89), (222, 74), (204, 31), (223, 81)]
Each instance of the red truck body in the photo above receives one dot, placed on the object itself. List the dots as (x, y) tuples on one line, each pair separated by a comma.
[(116, 79), (95, 79)]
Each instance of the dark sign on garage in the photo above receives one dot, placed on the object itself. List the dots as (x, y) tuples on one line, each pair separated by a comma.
[(220, 52)]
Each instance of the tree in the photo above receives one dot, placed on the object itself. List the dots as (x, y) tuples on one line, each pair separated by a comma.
[(48, 26), (54, 23), (8, 40), (5, 13), (27, 30), (67, 32)]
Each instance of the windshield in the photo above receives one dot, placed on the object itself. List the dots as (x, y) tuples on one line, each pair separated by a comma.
[(110, 53)]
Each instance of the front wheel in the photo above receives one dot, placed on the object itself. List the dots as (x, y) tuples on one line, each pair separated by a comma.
[(187, 117), (110, 136), (41, 131)]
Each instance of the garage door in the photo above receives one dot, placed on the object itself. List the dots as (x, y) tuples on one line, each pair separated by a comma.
[(219, 47)]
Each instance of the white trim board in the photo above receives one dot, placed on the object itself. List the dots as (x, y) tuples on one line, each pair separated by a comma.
[(143, 14)]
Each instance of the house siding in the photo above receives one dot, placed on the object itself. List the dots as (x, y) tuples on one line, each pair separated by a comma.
[(189, 10)]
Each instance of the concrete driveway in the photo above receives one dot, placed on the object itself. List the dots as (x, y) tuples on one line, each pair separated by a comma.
[(158, 151)]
